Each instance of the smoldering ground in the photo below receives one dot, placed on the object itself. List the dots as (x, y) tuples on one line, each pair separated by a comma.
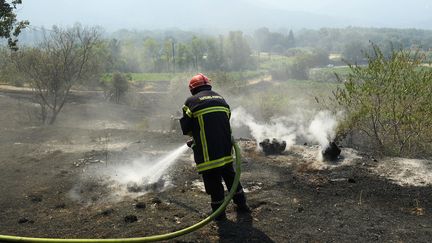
[(305, 127), (124, 177), (44, 167)]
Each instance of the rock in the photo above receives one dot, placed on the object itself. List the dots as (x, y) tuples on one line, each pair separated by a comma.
[(107, 212), (60, 206), (140, 205), (130, 218), (35, 198), (156, 200), (23, 220)]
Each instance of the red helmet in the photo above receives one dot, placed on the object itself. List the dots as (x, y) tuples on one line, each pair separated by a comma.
[(198, 80)]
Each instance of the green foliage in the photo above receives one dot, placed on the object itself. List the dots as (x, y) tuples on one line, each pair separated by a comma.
[(232, 82), (10, 28), (329, 74), (114, 60), (197, 49), (337, 39), (145, 77), (266, 41), (298, 67), (353, 52), (237, 52), (268, 100), (118, 87), (137, 77), (8, 71), (389, 100), (198, 53)]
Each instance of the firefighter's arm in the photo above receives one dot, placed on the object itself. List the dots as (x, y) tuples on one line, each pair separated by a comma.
[(186, 121)]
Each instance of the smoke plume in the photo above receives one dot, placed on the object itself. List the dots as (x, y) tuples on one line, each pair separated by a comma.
[(260, 131), (317, 128), (322, 129)]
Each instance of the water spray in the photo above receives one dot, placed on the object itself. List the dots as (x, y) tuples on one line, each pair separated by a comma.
[(144, 171), (167, 236)]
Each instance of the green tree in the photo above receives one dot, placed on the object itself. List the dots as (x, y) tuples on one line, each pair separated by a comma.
[(319, 58), (119, 87), (214, 59), (168, 54), (261, 37), (291, 40), (353, 52), (237, 52), (115, 60), (198, 50), (10, 27), (8, 71), (184, 57), (299, 68), (389, 100), (151, 52)]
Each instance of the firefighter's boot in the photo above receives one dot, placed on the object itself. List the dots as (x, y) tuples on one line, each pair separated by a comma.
[(240, 200)]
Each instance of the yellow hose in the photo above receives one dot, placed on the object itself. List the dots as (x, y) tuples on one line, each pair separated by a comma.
[(167, 236)]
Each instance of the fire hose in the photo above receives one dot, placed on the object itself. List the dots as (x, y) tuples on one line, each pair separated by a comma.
[(167, 236)]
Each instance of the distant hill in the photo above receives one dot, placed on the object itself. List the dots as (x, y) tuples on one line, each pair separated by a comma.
[(227, 14)]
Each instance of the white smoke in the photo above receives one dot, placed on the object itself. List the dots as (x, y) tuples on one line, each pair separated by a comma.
[(318, 128), (260, 131), (322, 129)]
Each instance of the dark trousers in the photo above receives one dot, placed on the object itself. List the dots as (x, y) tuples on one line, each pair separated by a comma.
[(213, 185)]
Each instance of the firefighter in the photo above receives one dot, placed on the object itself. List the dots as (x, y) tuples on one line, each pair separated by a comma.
[(206, 118)]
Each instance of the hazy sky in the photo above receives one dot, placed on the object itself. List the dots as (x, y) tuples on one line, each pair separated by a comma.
[(189, 14)]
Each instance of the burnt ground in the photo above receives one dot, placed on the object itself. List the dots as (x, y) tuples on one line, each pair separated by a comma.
[(47, 191)]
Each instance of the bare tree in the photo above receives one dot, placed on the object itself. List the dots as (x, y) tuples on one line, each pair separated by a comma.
[(64, 58)]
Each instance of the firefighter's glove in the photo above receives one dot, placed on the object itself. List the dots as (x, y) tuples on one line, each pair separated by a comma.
[(190, 143)]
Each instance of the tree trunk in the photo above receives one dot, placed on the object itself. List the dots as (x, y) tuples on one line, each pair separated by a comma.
[(54, 116)]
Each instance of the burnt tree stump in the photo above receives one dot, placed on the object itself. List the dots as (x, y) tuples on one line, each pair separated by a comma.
[(273, 147), (332, 152)]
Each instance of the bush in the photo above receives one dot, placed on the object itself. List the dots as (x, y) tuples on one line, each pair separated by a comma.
[(118, 87), (389, 100)]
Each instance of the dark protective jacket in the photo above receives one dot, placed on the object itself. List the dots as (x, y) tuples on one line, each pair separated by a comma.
[(206, 117)]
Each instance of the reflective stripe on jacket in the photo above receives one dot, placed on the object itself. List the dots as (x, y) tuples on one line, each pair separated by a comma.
[(206, 117)]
